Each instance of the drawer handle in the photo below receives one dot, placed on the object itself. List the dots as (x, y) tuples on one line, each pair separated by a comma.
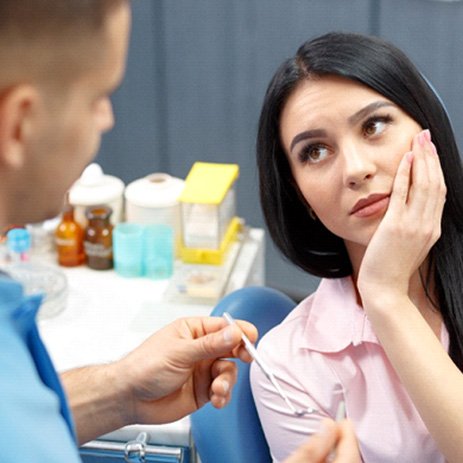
[(135, 450)]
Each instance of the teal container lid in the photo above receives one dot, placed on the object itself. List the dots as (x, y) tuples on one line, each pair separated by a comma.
[(18, 240)]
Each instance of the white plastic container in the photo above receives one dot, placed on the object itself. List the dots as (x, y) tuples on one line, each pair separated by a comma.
[(96, 188), (154, 200)]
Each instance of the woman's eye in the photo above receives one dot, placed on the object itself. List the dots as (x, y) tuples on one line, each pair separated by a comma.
[(376, 125), (313, 154)]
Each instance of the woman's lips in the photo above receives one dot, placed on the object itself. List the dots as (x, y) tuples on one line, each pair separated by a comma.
[(370, 206)]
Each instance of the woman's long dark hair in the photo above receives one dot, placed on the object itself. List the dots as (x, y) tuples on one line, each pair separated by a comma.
[(307, 243)]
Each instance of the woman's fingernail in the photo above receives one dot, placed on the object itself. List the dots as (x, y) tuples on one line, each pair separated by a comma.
[(420, 138), (427, 135)]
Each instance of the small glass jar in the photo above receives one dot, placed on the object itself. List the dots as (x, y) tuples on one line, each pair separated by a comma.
[(69, 237), (98, 241)]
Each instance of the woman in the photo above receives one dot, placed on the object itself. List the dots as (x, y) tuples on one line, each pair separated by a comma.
[(356, 159)]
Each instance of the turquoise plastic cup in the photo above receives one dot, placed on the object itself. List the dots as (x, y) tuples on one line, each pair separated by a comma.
[(158, 256), (128, 249)]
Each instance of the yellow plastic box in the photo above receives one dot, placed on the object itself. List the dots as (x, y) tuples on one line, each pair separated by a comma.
[(208, 212)]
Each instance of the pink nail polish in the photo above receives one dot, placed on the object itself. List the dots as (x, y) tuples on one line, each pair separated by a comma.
[(420, 138), (427, 135)]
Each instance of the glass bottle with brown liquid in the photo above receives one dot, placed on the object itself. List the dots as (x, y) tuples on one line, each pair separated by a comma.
[(69, 239), (98, 241)]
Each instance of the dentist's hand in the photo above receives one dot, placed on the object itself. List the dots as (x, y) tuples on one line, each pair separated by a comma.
[(182, 367), (336, 442)]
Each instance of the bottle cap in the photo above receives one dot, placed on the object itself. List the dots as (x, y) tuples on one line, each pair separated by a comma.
[(18, 240), (94, 187), (98, 212)]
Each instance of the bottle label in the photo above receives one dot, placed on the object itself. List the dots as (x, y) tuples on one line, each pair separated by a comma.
[(66, 242), (97, 250)]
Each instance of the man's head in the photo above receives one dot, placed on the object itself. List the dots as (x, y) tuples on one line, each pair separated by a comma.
[(60, 62)]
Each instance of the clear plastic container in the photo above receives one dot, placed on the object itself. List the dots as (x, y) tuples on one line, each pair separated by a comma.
[(205, 225), (42, 279)]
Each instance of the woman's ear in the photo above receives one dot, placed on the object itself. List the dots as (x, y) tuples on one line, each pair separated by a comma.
[(17, 107)]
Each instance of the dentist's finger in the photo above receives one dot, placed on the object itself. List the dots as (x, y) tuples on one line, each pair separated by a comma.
[(225, 375)]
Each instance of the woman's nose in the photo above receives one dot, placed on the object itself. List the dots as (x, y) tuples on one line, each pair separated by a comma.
[(358, 166)]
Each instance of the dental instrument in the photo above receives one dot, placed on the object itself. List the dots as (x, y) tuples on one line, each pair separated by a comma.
[(267, 371)]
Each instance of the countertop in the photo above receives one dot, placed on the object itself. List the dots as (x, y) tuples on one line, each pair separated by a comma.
[(107, 315)]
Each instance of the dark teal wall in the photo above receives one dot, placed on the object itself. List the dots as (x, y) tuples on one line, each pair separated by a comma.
[(198, 69)]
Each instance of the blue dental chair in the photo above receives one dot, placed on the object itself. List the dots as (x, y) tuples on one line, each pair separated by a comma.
[(234, 434)]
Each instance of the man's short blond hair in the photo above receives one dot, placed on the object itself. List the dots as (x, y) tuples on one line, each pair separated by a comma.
[(54, 19), (39, 37)]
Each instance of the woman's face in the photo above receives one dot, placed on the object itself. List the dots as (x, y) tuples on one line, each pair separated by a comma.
[(344, 143)]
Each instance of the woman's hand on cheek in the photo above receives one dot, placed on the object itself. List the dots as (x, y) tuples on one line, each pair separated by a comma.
[(411, 225)]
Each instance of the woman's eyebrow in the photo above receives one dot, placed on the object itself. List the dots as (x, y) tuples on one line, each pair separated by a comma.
[(315, 133), (362, 113), (354, 119)]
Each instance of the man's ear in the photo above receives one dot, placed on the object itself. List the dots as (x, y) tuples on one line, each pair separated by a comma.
[(17, 107)]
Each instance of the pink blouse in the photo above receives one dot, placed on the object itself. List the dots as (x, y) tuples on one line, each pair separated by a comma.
[(326, 351)]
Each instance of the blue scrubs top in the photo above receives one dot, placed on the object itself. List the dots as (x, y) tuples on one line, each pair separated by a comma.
[(35, 421)]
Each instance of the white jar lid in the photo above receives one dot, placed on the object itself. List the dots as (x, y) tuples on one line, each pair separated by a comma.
[(94, 187), (155, 190)]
